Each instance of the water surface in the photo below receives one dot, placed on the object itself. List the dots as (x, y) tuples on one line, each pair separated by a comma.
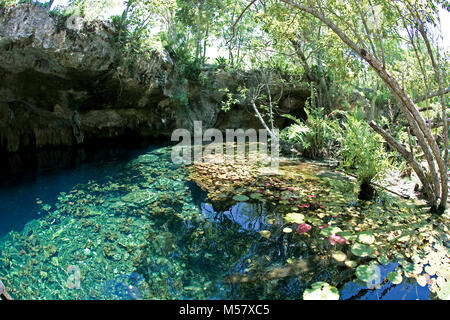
[(131, 226)]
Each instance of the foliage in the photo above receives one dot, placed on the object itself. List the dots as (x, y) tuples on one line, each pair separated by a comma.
[(186, 64), (362, 151), (316, 134), (321, 291)]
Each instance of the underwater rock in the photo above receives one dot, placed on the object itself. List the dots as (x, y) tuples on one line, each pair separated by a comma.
[(140, 197)]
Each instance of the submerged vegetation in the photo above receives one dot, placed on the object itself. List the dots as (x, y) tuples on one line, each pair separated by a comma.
[(364, 119), (149, 233)]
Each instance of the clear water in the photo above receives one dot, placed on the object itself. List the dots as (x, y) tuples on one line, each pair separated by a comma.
[(133, 227)]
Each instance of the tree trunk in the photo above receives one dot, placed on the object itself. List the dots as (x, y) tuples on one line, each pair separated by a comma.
[(199, 31), (423, 133)]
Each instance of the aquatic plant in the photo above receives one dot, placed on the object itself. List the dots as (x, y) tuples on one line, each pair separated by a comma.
[(186, 248), (321, 291)]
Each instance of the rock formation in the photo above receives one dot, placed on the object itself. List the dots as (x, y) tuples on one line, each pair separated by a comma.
[(64, 81)]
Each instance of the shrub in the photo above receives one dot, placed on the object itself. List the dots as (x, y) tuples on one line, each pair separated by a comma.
[(362, 151), (316, 134)]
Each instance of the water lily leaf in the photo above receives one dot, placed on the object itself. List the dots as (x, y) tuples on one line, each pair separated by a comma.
[(321, 291), (421, 280), (294, 217), (328, 231), (404, 238), (430, 270), (395, 276), (362, 250), (366, 237), (240, 198), (287, 230), (347, 235), (351, 263), (368, 273), (255, 195), (339, 256), (444, 292), (383, 259), (265, 234), (412, 269), (221, 195), (314, 221)]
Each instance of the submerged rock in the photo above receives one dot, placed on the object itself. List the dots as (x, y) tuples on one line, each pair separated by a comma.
[(140, 197)]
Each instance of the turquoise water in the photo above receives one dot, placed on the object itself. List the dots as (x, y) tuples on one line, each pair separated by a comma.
[(133, 227)]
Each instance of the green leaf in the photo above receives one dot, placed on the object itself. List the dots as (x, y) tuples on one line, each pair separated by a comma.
[(240, 198), (256, 195), (265, 234), (347, 235), (368, 273), (294, 217), (339, 256), (350, 263), (412, 269), (321, 291), (328, 231), (362, 250), (383, 259), (395, 276), (366, 237)]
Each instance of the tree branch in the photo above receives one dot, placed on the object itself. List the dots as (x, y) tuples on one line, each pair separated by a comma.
[(239, 19), (432, 95)]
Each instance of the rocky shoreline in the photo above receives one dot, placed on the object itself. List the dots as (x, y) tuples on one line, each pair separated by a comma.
[(63, 86)]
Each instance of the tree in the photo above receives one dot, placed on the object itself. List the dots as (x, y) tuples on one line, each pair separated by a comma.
[(362, 42)]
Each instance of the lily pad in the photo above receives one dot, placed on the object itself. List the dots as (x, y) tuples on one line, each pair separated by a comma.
[(362, 250), (347, 235), (412, 269), (314, 221), (240, 198), (383, 259), (339, 256), (351, 263), (395, 276), (421, 280), (265, 234), (366, 237), (294, 217), (321, 291), (287, 230), (370, 274), (328, 231), (256, 195)]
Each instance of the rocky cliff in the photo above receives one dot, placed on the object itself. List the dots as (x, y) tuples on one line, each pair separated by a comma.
[(64, 81)]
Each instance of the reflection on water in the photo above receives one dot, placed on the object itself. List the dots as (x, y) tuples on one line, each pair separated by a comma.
[(135, 228)]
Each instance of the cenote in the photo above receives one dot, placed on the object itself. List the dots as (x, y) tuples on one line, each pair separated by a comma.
[(94, 95), (133, 225)]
